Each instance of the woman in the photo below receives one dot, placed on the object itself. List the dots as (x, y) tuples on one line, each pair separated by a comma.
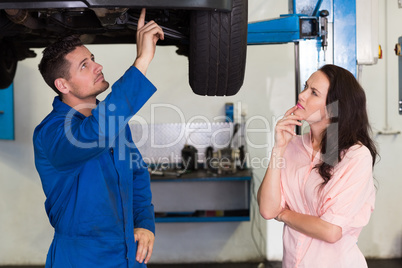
[(323, 191)]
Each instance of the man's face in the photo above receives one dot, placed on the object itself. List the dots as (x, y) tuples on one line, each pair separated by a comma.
[(86, 77)]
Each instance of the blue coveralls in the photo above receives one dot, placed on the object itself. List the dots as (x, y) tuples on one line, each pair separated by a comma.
[(96, 184)]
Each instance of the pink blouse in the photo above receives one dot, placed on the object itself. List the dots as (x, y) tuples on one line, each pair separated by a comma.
[(347, 201)]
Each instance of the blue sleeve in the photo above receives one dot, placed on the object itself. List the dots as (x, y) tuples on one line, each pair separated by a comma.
[(69, 141), (143, 210)]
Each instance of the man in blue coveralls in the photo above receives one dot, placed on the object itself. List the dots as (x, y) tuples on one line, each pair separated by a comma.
[(97, 198)]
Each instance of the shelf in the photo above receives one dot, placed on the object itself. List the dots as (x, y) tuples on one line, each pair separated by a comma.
[(203, 175), (202, 219), (201, 196), (203, 216)]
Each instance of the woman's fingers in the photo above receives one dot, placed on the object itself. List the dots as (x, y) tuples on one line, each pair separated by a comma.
[(291, 110), (293, 120), (285, 128), (288, 129), (290, 114)]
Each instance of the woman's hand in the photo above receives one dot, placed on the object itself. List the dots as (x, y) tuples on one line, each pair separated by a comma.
[(269, 194), (285, 128), (312, 226), (280, 215)]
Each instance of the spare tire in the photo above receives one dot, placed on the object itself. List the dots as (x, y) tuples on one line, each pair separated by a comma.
[(218, 48)]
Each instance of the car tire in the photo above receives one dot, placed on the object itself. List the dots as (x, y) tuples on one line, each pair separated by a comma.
[(218, 48), (8, 65)]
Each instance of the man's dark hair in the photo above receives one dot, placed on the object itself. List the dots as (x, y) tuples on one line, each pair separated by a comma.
[(54, 64)]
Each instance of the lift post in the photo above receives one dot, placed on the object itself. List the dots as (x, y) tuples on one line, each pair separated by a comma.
[(312, 27)]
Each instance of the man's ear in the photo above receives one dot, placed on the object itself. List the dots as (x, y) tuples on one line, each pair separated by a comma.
[(62, 85)]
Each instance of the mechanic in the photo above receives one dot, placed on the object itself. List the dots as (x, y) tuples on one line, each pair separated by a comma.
[(97, 200)]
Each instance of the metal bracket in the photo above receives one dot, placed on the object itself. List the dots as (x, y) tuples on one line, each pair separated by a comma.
[(399, 54), (7, 113), (285, 29)]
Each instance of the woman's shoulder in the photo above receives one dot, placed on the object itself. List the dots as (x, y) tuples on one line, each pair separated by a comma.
[(358, 152), (357, 149)]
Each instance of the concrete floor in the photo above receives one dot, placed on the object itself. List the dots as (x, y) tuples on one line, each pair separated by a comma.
[(388, 263), (380, 263)]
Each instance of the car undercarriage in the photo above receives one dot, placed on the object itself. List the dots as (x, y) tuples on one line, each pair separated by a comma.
[(212, 35)]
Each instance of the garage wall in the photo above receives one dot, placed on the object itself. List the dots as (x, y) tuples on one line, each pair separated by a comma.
[(267, 93), (383, 236)]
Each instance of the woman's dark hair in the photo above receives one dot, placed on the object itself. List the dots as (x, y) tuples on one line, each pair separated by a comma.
[(54, 64), (349, 125)]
